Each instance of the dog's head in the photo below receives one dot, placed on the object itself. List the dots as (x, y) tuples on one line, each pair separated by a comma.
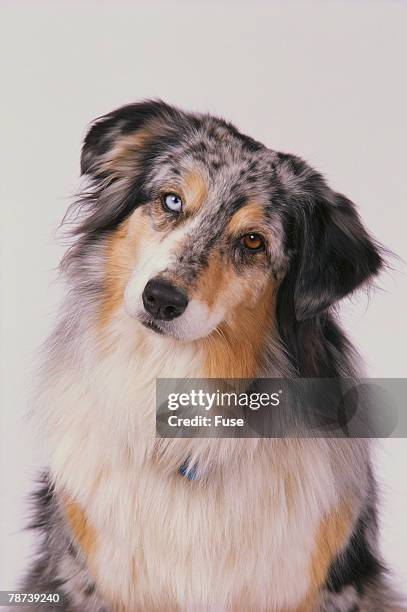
[(202, 228)]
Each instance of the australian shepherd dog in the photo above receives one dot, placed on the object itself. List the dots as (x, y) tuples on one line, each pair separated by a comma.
[(198, 252)]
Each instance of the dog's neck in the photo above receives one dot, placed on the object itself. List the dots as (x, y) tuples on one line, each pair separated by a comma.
[(227, 352), (103, 392)]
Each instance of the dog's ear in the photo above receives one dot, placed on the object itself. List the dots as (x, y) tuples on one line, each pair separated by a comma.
[(333, 252), (117, 157), (107, 131)]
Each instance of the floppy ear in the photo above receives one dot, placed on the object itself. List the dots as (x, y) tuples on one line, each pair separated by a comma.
[(117, 156), (334, 254), (108, 129)]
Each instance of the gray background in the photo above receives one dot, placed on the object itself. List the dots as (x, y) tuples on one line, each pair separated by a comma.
[(325, 80)]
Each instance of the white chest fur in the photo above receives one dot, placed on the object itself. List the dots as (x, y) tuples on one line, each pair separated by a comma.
[(243, 533)]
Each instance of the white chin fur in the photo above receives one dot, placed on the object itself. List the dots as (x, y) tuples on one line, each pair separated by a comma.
[(196, 322)]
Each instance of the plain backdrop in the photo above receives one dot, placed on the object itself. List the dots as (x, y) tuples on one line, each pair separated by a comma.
[(325, 80)]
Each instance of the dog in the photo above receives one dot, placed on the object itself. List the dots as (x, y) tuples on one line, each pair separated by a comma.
[(200, 253)]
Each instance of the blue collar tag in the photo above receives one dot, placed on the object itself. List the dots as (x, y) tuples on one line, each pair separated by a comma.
[(188, 471)]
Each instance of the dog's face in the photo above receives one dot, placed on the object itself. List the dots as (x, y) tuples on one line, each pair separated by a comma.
[(202, 226), (208, 246), (204, 255)]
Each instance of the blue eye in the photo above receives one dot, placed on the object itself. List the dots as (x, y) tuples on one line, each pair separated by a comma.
[(172, 202)]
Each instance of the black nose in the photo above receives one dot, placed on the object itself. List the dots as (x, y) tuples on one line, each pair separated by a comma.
[(163, 300)]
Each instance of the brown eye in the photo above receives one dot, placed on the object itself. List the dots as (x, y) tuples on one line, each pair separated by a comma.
[(252, 242)]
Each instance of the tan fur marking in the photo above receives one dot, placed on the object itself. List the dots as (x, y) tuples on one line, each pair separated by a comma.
[(121, 159), (195, 190), (332, 534), (247, 218), (212, 279), (121, 250), (83, 532), (243, 335)]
